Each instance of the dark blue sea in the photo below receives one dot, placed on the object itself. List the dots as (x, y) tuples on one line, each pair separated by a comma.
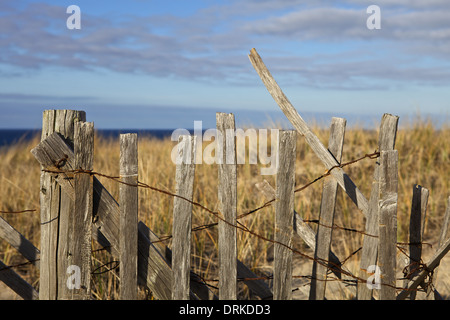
[(12, 136)]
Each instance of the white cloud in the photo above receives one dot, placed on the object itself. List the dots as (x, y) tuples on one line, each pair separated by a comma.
[(211, 45)]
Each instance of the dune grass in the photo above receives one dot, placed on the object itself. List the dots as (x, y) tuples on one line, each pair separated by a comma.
[(424, 153)]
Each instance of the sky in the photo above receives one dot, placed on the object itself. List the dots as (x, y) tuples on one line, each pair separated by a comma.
[(165, 64)]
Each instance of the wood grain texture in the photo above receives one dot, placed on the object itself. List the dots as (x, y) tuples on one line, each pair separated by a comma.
[(387, 246), (284, 216), (55, 205), (386, 141), (227, 196), (182, 217), (128, 199), (326, 217), (79, 222)]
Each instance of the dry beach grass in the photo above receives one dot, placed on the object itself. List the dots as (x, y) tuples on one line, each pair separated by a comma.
[(424, 157)]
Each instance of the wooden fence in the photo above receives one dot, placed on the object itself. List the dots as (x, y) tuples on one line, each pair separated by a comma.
[(76, 209)]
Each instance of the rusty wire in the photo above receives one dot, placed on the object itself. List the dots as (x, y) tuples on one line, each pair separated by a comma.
[(60, 163)]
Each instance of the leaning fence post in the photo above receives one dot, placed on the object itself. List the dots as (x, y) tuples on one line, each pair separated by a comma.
[(55, 205), (388, 223), (128, 200), (79, 237), (327, 206), (182, 217), (227, 195), (284, 215)]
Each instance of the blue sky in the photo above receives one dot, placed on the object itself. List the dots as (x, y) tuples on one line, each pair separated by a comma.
[(165, 64)]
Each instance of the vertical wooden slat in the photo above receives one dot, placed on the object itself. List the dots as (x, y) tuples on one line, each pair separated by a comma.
[(324, 229), (369, 253), (54, 205), (284, 216), (227, 196), (182, 218), (388, 223), (128, 199), (79, 237), (416, 229)]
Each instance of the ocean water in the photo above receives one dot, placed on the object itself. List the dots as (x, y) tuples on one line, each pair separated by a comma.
[(12, 136)]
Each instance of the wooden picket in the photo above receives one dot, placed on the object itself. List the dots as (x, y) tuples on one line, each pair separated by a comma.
[(182, 217), (128, 199), (227, 195), (284, 216), (326, 218)]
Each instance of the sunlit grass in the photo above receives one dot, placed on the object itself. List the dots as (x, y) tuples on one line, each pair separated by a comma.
[(423, 159)]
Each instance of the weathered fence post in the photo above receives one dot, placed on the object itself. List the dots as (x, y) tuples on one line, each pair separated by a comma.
[(284, 215), (369, 254), (326, 219), (128, 200), (182, 218), (388, 223), (55, 205), (79, 222), (227, 195), (416, 229)]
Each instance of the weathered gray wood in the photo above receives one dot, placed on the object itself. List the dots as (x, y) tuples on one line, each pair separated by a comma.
[(153, 269), (256, 286), (19, 242), (154, 272), (182, 217), (227, 196), (55, 206), (431, 265), (78, 222), (198, 289), (369, 252), (442, 239), (128, 199), (9, 277), (416, 229), (301, 228), (388, 223), (300, 125), (326, 219), (284, 216), (259, 287)]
